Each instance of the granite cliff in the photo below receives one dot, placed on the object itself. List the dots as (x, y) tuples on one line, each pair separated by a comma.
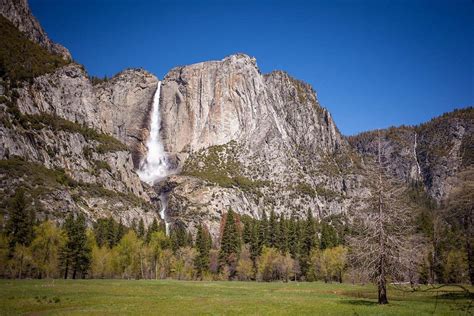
[(234, 138)]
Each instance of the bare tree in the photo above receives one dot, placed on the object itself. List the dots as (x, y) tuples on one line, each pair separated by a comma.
[(380, 242), (459, 213)]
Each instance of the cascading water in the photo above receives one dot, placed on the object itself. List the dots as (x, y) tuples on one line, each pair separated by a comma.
[(155, 166)]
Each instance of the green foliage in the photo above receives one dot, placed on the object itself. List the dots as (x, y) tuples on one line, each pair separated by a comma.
[(106, 142), (203, 246), (217, 164), (108, 232), (20, 58), (20, 222), (329, 236), (152, 229), (75, 256), (230, 244), (45, 248), (304, 188), (102, 165)]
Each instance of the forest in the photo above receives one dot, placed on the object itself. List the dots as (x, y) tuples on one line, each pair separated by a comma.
[(267, 249)]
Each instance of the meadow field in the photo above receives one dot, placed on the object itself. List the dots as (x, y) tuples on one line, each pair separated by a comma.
[(167, 297)]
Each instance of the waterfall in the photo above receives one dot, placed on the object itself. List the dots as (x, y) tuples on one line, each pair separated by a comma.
[(416, 158), (155, 166)]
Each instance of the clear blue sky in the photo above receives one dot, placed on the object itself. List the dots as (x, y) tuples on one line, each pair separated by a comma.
[(373, 63)]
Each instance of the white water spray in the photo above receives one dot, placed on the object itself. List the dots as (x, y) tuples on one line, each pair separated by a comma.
[(418, 169), (155, 166)]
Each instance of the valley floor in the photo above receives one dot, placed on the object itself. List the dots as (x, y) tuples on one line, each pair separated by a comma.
[(167, 297)]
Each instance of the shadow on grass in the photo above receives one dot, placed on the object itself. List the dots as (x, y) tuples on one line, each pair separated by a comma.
[(457, 295), (359, 302)]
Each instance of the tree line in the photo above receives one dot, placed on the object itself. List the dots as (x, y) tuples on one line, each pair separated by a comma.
[(273, 247)]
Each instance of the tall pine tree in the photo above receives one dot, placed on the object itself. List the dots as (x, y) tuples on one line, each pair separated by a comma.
[(293, 236), (203, 247), (75, 257), (230, 244), (309, 241), (273, 230), (20, 222), (283, 235), (263, 232)]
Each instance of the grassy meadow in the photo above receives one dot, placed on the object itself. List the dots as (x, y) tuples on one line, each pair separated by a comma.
[(167, 297)]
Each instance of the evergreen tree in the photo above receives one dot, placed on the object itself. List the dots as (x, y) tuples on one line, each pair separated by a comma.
[(230, 244), (203, 246), (283, 235), (247, 233), (20, 223), (255, 249), (189, 240), (153, 228), (75, 255), (121, 231), (141, 229), (328, 236), (273, 230), (309, 242), (293, 238), (100, 231), (134, 225), (111, 232), (263, 232), (178, 237)]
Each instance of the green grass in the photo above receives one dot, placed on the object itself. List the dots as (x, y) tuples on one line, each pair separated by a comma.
[(98, 297)]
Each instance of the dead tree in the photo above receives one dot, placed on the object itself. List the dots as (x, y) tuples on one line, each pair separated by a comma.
[(380, 239)]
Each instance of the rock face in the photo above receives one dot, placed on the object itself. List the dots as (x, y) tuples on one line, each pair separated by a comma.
[(19, 13), (252, 142), (63, 123), (432, 153), (237, 139), (125, 103)]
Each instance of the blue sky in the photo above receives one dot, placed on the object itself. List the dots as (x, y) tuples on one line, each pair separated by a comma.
[(373, 64)]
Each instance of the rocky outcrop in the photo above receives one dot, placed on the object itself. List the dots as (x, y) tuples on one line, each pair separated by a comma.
[(70, 132), (252, 142), (432, 153), (66, 93), (124, 103), (19, 13)]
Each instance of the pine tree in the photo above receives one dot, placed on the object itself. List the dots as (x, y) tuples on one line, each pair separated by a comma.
[(100, 231), (255, 249), (309, 242), (293, 238), (141, 229), (111, 232), (203, 246), (75, 256), (189, 240), (121, 230), (263, 232), (230, 243), (328, 236), (179, 237), (153, 228), (273, 230), (283, 235), (20, 223), (247, 233)]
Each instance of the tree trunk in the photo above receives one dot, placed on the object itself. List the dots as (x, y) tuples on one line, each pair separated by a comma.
[(74, 274), (66, 271), (383, 292)]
